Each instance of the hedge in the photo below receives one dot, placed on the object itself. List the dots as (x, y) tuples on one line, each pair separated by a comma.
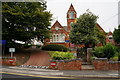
[(55, 47)]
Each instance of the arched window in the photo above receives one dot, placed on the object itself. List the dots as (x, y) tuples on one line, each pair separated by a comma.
[(62, 37), (110, 37), (56, 28), (71, 15)]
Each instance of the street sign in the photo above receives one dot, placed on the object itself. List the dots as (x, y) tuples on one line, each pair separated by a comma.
[(67, 41), (11, 60), (2, 41), (11, 49), (53, 63)]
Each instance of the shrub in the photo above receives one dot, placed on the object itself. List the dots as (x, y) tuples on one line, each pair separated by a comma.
[(27, 46), (114, 58), (106, 51), (55, 47), (55, 55), (38, 46)]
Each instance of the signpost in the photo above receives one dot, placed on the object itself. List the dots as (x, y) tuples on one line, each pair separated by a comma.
[(53, 63), (11, 60), (11, 50), (3, 42)]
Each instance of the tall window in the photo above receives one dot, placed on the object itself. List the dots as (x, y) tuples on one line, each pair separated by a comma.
[(71, 15), (62, 37)]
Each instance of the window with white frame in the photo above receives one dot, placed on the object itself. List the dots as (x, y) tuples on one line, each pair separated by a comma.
[(110, 37), (57, 38)]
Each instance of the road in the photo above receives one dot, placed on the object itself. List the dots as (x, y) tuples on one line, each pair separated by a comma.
[(8, 76), (21, 73)]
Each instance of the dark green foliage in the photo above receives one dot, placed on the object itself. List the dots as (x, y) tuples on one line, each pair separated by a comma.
[(24, 21), (38, 46), (116, 35), (81, 53), (55, 55), (27, 46), (106, 51), (55, 47)]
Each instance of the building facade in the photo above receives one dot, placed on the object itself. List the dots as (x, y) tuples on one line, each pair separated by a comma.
[(60, 34)]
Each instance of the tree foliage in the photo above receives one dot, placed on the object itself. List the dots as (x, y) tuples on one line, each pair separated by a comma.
[(24, 21), (84, 31), (116, 35)]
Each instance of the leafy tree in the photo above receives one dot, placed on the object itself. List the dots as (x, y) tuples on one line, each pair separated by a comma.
[(84, 30), (24, 21), (116, 35), (100, 36)]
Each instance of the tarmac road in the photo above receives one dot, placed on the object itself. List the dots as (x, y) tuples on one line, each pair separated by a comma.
[(8, 76), (21, 73)]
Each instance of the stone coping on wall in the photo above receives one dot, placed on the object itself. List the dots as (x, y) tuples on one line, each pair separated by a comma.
[(66, 60), (105, 59), (113, 62), (100, 59), (7, 57)]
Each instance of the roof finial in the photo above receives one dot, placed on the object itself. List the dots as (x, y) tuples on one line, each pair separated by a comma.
[(56, 18), (109, 30)]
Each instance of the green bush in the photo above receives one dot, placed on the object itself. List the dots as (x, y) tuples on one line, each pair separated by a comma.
[(55, 47), (115, 58), (55, 55), (106, 51), (38, 46), (27, 46)]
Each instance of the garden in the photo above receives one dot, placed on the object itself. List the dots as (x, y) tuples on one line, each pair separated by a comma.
[(58, 52)]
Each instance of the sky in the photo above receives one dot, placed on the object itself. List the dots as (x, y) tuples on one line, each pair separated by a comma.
[(106, 10)]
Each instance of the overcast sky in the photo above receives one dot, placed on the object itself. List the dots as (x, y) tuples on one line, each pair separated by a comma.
[(107, 10)]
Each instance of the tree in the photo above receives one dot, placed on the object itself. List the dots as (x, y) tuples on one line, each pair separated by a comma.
[(116, 35), (100, 36), (84, 31), (24, 21)]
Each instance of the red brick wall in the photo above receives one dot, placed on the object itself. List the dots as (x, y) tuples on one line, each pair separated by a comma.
[(100, 64), (114, 66), (5, 61), (65, 44), (68, 65)]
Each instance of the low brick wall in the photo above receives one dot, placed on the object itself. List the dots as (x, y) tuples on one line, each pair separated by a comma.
[(114, 65), (74, 64), (104, 64), (5, 61)]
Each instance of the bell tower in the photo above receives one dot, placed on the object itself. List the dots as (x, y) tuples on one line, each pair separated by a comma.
[(71, 17)]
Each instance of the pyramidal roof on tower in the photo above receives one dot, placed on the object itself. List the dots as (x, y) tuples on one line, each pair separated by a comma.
[(71, 8)]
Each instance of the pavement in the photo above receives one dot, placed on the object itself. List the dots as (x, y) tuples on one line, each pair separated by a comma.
[(113, 74)]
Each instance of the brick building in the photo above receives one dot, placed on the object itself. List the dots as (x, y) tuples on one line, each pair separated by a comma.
[(60, 34)]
